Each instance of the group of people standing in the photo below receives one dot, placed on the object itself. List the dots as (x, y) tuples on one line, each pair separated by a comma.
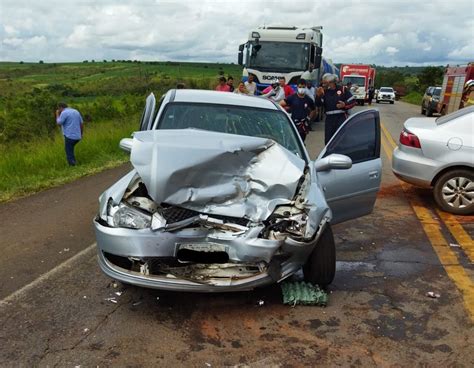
[(334, 99)]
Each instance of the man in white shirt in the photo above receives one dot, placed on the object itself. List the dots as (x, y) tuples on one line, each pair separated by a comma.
[(251, 85)]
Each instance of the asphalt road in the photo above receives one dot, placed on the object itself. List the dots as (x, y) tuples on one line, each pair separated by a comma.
[(54, 307)]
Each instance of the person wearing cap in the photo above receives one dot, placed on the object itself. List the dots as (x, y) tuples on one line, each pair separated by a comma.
[(468, 94), (337, 101), (275, 92)]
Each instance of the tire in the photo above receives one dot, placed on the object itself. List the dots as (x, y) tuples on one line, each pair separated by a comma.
[(392, 102), (378, 101), (423, 111), (429, 111), (320, 267), (454, 191)]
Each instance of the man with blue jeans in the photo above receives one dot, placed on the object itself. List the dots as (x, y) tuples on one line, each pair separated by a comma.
[(71, 124)]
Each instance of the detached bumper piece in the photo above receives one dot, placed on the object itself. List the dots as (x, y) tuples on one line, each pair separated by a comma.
[(303, 293)]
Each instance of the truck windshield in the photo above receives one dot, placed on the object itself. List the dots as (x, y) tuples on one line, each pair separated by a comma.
[(240, 120), (278, 56), (356, 81)]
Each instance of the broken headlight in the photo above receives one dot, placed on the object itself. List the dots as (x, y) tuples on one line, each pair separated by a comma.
[(130, 217)]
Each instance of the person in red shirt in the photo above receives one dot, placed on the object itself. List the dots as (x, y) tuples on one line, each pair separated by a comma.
[(222, 86), (288, 90)]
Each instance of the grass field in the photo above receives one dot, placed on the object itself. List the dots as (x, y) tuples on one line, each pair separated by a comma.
[(413, 98), (110, 94)]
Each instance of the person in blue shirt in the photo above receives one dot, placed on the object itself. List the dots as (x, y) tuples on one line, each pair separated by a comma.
[(72, 126), (301, 107)]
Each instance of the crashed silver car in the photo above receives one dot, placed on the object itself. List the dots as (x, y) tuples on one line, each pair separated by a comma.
[(224, 197)]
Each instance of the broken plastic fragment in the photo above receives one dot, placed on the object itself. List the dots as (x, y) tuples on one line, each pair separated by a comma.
[(433, 295), (303, 293), (118, 293), (260, 303), (86, 330), (454, 245), (112, 300)]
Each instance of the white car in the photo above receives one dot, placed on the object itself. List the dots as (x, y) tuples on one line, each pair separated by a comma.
[(386, 94), (439, 153)]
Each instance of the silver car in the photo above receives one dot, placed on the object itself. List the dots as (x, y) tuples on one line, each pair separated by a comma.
[(223, 195), (439, 153)]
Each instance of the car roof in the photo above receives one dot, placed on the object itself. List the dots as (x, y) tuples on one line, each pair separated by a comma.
[(224, 98)]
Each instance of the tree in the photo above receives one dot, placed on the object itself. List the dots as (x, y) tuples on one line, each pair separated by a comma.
[(430, 76)]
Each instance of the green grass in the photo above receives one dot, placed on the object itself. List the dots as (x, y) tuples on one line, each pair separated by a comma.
[(101, 90), (27, 168), (413, 98)]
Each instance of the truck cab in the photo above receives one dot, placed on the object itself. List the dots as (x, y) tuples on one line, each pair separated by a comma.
[(273, 52)]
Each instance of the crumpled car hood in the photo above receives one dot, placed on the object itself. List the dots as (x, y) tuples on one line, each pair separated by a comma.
[(216, 173)]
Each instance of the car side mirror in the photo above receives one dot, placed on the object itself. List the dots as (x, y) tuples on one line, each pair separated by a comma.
[(334, 161), (126, 144)]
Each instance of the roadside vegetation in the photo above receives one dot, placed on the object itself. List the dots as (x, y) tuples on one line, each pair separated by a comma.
[(110, 97), (410, 83)]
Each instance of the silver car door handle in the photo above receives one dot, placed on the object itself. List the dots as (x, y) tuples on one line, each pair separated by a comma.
[(373, 174)]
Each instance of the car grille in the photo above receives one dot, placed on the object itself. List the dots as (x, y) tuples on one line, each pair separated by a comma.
[(174, 214)]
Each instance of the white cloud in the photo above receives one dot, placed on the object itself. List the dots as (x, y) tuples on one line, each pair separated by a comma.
[(211, 30), (391, 50)]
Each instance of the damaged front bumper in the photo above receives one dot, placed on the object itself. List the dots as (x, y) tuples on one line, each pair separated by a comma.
[(159, 260)]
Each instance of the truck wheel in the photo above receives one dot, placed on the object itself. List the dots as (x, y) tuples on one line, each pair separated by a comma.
[(454, 191), (320, 267)]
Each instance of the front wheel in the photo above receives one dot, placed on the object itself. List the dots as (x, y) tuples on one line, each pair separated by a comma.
[(320, 267), (377, 101), (392, 102), (454, 191)]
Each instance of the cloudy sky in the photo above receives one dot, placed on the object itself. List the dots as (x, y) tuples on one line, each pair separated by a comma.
[(394, 32)]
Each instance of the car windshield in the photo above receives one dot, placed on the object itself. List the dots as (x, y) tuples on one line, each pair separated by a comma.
[(437, 92), (356, 81), (254, 122), (278, 56), (386, 89)]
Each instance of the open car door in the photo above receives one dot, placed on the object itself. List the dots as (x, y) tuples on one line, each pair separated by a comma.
[(351, 193), (148, 113)]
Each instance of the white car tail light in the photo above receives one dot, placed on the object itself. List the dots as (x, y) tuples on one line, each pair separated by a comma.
[(409, 139)]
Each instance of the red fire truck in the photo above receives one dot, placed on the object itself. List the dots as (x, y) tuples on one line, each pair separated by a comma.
[(453, 86), (361, 76)]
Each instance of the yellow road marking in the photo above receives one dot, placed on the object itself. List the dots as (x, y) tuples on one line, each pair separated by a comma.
[(461, 236), (432, 230)]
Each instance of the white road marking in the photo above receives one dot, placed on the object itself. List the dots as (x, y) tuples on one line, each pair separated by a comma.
[(44, 277)]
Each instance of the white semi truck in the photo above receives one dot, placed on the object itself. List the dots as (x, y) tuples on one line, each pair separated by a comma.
[(271, 52)]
